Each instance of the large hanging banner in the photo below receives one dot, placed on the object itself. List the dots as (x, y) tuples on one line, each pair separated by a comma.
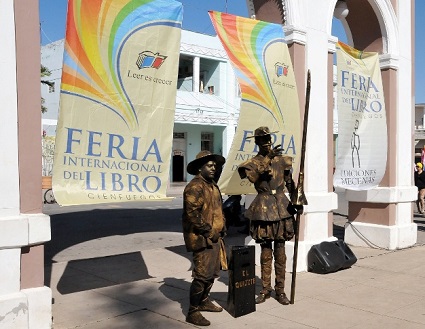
[(362, 123), (118, 91), (263, 68)]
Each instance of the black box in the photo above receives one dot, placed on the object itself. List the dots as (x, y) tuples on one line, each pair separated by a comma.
[(241, 295), (325, 257), (350, 258)]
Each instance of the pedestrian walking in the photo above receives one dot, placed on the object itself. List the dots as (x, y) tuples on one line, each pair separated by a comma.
[(420, 184)]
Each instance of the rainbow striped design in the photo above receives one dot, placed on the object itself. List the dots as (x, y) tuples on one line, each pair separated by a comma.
[(95, 34), (357, 56), (245, 41), (350, 50)]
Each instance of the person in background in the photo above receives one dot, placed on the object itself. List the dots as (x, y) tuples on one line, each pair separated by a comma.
[(271, 214), (420, 184), (203, 229)]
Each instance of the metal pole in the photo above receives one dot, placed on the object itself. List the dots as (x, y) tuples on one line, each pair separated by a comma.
[(299, 198)]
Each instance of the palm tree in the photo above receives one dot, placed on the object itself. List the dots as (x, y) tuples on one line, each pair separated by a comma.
[(45, 72)]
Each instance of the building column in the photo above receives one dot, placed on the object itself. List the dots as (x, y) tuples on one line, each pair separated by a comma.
[(196, 72), (228, 92), (228, 135), (316, 223), (24, 301)]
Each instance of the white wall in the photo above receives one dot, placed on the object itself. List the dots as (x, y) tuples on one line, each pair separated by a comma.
[(9, 194)]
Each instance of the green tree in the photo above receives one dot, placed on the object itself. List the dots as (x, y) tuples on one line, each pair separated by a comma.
[(45, 72)]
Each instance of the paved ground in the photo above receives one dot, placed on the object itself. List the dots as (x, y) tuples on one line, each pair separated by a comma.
[(126, 267)]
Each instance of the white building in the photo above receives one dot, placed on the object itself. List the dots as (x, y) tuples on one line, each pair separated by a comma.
[(207, 102), (419, 130)]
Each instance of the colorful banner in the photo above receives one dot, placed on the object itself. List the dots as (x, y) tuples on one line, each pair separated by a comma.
[(362, 122), (263, 67), (117, 103)]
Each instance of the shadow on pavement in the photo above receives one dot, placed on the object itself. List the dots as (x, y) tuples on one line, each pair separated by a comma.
[(76, 228), (93, 273), (179, 284), (70, 229)]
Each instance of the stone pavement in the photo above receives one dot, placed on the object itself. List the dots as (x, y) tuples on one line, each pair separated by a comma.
[(126, 267)]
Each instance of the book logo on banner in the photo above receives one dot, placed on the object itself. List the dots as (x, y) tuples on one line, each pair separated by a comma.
[(281, 69), (148, 59)]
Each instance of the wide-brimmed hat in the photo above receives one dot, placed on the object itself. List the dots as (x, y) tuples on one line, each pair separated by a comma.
[(262, 131), (202, 158)]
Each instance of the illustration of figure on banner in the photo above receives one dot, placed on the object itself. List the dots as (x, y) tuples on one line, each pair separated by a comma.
[(355, 145)]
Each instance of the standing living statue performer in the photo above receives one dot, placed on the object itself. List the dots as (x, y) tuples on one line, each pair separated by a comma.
[(203, 229), (271, 214)]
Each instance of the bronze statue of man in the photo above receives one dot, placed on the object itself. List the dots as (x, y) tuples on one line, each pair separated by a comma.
[(271, 212), (203, 229)]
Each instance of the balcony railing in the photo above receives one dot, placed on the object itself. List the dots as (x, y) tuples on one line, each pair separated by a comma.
[(419, 132)]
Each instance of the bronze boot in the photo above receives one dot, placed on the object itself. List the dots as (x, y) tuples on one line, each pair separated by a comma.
[(262, 297), (280, 269), (196, 293), (206, 304), (282, 299), (197, 319), (266, 260)]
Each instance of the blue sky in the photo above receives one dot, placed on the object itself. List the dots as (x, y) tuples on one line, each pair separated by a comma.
[(195, 18)]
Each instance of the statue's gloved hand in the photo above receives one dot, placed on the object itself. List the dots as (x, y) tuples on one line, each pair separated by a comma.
[(223, 232), (203, 229), (213, 235), (275, 151), (291, 209), (295, 209), (299, 208)]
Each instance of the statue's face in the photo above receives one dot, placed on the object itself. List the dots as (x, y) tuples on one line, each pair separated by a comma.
[(208, 170), (264, 143)]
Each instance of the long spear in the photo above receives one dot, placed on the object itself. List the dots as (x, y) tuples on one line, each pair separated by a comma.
[(298, 198)]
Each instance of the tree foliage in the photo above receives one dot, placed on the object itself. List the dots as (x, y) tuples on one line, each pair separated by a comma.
[(45, 72)]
